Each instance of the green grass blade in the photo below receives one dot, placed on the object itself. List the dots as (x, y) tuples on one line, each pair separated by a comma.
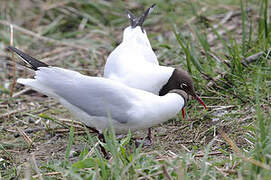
[(68, 149)]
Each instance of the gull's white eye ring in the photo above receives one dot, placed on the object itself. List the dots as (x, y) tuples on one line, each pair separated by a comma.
[(183, 85)]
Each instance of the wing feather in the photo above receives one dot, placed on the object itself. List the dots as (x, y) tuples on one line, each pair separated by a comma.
[(95, 96)]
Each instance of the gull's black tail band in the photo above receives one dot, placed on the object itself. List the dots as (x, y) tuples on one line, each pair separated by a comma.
[(34, 63)]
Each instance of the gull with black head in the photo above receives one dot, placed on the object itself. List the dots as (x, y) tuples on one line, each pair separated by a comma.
[(91, 99), (135, 64)]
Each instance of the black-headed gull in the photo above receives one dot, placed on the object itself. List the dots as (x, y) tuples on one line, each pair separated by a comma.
[(135, 64), (94, 99)]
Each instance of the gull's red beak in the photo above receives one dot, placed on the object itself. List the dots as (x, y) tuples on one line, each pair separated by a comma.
[(183, 112), (200, 101)]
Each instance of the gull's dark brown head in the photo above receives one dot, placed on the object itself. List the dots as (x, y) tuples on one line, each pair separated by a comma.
[(180, 79)]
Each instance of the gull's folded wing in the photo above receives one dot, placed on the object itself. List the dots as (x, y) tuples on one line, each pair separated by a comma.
[(95, 96)]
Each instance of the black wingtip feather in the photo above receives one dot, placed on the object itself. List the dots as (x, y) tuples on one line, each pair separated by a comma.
[(34, 63)]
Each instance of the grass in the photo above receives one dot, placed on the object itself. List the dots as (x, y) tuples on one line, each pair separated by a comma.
[(231, 140)]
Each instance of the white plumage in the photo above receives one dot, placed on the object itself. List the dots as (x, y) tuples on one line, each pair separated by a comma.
[(134, 63), (93, 99)]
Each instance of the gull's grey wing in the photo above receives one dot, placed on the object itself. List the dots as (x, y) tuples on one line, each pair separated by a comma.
[(95, 96), (144, 16), (133, 19)]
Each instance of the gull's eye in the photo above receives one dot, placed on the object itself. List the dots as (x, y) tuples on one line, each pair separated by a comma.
[(183, 86)]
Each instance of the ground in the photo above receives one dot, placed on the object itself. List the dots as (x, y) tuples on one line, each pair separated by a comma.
[(224, 45)]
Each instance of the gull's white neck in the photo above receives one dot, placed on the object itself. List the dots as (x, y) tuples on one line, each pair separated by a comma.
[(169, 106), (158, 109)]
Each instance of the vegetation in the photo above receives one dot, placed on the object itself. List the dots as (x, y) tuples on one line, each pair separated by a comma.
[(225, 45)]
